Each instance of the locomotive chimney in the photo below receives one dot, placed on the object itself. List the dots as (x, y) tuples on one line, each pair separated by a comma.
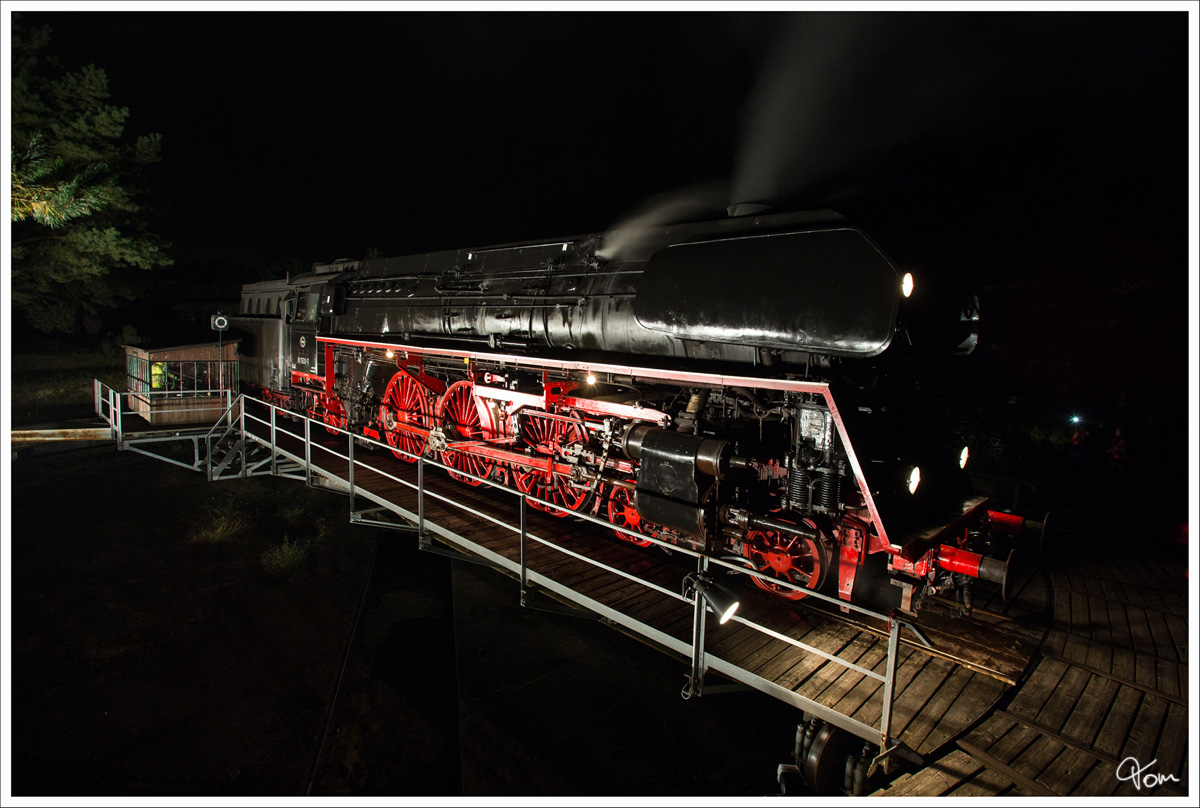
[(747, 208)]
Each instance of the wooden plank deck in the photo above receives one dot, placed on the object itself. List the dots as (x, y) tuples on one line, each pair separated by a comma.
[(1109, 685)]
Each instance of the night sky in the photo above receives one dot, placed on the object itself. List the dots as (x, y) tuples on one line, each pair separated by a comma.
[(966, 137)]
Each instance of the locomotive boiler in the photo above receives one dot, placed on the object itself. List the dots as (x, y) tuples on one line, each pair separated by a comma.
[(738, 386)]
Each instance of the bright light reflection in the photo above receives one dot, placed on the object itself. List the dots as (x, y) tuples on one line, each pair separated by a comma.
[(914, 479)]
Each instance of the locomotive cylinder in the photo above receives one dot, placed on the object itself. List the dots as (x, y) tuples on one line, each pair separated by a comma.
[(707, 455)]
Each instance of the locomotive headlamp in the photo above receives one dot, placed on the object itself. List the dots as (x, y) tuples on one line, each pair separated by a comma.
[(906, 284), (914, 479), (591, 378), (962, 457), (389, 353)]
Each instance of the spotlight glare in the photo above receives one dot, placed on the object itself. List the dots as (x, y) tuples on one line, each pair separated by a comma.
[(728, 613), (914, 479), (906, 284), (962, 457)]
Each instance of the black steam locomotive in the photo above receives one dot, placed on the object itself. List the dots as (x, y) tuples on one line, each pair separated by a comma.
[(736, 386)]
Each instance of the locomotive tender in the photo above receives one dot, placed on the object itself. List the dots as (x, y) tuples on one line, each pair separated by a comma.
[(737, 386)]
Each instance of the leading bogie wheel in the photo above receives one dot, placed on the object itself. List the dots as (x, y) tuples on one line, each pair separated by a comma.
[(786, 557), (334, 415), (623, 514)]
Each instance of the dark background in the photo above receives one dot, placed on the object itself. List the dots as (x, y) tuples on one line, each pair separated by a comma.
[(977, 139), (1039, 159)]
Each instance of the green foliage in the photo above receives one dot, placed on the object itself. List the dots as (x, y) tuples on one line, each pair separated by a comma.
[(284, 560), (78, 235), (47, 192), (225, 522)]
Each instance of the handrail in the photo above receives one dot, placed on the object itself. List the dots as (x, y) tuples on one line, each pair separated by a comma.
[(208, 435)]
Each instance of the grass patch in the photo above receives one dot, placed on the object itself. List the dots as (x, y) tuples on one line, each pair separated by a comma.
[(284, 560), (224, 523), (64, 377), (294, 514)]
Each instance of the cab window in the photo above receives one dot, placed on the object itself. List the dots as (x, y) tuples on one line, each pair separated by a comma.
[(306, 307)]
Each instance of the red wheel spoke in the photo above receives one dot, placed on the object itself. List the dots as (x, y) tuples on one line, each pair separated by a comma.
[(623, 514), (547, 437), (459, 414), (792, 558), (405, 403)]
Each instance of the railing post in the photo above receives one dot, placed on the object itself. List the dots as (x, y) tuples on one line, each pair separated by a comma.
[(421, 501), (241, 405), (116, 413), (524, 571), (274, 456), (350, 473), (889, 680), (307, 451), (695, 685)]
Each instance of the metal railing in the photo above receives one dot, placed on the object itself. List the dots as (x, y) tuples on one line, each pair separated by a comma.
[(879, 734), (196, 377), (109, 407), (231, 426)]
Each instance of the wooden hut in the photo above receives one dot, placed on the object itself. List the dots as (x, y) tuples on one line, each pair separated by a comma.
[(181, 384)]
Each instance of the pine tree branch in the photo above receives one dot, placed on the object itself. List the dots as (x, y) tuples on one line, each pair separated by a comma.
[(37, 238)]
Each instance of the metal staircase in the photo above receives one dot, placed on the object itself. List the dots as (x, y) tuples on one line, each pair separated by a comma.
[(222, 450)]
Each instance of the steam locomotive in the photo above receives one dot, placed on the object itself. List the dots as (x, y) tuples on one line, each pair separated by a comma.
[(737, 386)]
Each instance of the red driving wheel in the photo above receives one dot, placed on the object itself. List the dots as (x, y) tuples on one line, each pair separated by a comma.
[(405, 403), (458, 410), (548, 437)]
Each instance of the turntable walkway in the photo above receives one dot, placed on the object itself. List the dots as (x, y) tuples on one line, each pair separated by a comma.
[(1107, 697), (937, 691)]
